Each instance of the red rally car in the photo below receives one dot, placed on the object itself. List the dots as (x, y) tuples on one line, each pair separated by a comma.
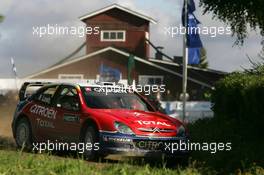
[(117, 120)]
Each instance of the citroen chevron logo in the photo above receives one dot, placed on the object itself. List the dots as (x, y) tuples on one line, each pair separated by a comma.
[(156, 130)]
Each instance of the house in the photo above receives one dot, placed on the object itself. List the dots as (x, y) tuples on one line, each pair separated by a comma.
[(124, 33)]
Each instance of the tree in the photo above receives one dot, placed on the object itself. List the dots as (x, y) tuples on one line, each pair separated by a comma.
[(257, 67), (261, 54), (1, 18), (239, 14)]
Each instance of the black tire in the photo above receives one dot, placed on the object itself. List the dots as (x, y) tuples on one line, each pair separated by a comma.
[(91, 137), (23, 135)]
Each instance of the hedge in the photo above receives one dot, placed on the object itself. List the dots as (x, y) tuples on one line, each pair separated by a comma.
[(240, 96), (238, 104)]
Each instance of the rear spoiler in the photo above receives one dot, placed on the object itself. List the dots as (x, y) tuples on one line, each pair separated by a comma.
[(24, 91)]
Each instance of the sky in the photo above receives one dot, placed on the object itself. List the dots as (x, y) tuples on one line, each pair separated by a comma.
[(32, 53)]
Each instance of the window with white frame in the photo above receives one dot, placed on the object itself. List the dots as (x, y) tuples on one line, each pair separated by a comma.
[(113, 35), (150, 79), (70, 76)]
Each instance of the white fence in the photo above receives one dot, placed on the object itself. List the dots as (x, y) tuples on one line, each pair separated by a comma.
[(194, 109)]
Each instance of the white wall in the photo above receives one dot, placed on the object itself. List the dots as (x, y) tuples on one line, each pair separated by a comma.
[(194, 109)]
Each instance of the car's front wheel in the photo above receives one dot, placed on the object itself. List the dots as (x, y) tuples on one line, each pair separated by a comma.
[(91, 138), (23, 135)]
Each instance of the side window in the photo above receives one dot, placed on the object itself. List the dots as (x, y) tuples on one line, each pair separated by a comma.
[(68, 99), (47, 95)]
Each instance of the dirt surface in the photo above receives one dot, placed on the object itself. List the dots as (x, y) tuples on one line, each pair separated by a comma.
[(6, 115)]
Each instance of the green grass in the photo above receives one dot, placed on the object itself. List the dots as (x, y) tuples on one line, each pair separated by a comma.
[(13, 162)]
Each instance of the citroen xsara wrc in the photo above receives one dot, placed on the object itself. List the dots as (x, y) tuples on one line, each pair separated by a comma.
[(116, 122)]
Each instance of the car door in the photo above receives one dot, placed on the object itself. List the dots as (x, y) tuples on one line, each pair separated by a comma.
[(44, 114), (69, 112)]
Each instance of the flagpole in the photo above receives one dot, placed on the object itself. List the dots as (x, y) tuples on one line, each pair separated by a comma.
[(185, 61)]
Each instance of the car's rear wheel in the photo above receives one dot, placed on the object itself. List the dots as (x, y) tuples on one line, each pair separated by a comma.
[(91, 138), (23, 135)]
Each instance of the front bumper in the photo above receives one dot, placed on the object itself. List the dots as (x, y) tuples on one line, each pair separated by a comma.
[(116, 143)]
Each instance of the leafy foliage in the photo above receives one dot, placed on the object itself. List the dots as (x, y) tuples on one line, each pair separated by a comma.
[(1, 18), (241, 95), (203, 61), (246, 142), (239, 117), (257, 69), (238, 14)]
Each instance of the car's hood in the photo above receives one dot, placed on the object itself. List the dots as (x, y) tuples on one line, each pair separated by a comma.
[(141, 121)]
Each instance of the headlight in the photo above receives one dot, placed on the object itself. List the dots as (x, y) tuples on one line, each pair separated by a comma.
[(181, 131), (122, 128)]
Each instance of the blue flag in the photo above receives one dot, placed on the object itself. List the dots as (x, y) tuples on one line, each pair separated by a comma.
[(191, 8), (194, 55), (194, 42), (193, 37)]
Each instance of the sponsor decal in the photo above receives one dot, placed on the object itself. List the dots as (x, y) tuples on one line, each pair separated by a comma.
[(115, 139), (45, 123), (141, 122), (71, 118), (43, 111), (150, 145)]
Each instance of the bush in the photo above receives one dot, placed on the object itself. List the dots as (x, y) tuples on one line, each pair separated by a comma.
[(239, 116), (240, 96), (247, 147)]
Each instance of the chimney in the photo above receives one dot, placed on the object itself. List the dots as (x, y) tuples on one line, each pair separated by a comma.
[(158, 54)]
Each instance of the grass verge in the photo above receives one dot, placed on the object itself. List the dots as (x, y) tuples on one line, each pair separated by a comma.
[(13, 162)]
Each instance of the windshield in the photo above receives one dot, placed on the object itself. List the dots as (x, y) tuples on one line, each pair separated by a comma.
[(120, 100)]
